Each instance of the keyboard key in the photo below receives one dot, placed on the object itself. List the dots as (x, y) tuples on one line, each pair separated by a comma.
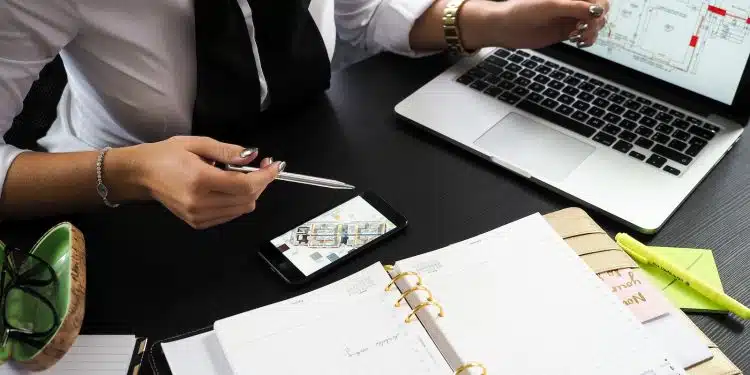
[(643, 100), (644, 143), (491, 68), (557, 85), (671, 170), (660, 138), (665, 118), (537, 87), (543, 69), (632, 104), (570, 90), (527, 73), (672, 155), (698, 141), (682, 124), (681, 135), (501, 53), (619, 99), (616, 109), (694, 150), (609, 87), (604, 139), (521, 91), (558, 75), (627, 94), (676, 113), (622, 146), (477, 73), (515, 58), (506, 85), (542, 79), (493, 80), (712, 128), (596, 82), (627, 136), (648, 121), (509, 76), (538, 59), (656, 160), (514, 68), (564, 109), (581, 105), (551, 64), (551, 93), (694, 121), (581, 116), (637, 155), (493, 91), (586, 86), (678, 145), (611, 129), (566, 70), (573, 81), (599, 102), (580, 76), (522, 53), (701, 132), (627, 124), (596, 111), (509, 98), (497, 61), (666, 129), (648, 111), (612, 118), (535, 97), (586, 97), (549, 103), (556, 118), (660, 107), (644, 131), (530, 64), (522, 81), (602, 92), (595, 122), (565, 99), (479, 85), (465, 79), (632, 115)]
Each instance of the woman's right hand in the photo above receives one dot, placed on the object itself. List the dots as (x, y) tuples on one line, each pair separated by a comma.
[(179, 173)]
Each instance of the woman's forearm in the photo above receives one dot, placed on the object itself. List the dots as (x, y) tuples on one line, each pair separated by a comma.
[(39, 184), (427, 32)]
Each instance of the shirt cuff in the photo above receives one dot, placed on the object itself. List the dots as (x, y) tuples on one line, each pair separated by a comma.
[(8, 154), (393, 22)]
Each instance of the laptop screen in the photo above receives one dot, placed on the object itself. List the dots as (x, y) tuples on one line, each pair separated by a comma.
[(700, 47)]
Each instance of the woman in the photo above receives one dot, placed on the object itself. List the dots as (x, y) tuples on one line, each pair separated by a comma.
[(163, 83)]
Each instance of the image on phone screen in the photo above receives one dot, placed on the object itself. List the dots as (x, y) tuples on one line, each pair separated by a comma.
[(332, 235)]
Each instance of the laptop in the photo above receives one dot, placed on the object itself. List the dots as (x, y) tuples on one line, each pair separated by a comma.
[(628, 127)]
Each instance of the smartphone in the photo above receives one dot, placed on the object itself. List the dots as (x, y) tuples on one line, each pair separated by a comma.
[(329, 239)]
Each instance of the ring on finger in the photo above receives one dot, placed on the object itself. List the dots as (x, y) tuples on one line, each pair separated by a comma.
[(582, 26)]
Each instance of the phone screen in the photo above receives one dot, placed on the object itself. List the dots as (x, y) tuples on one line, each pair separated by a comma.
[(332, 235)]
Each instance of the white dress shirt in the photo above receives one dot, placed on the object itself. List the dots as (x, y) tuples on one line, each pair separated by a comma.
[(131, 63)]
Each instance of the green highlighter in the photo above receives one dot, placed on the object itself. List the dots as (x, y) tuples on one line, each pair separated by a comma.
[(643, 254)]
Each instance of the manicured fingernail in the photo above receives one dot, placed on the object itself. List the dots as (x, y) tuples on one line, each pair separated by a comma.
[(596, 10), (282, 166), (581, 44), (246, 153), (582, 26), (575, 39)]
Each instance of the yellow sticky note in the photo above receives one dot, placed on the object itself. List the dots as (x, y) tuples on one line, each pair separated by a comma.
[(699, 262)]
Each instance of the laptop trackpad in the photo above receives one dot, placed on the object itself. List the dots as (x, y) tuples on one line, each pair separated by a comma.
[(541, 151)]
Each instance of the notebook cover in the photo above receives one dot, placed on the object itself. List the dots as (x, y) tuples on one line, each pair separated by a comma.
[(603, 254)]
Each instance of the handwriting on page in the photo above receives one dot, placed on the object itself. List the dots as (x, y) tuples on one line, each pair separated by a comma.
[(643, 299)]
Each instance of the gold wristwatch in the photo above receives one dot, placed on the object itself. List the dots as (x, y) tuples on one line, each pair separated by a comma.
[(450, 27)]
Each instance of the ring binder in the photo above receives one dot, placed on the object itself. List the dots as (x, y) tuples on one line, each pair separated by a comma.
[(412, 290), (401, 275), (471, 365), (423, 305)]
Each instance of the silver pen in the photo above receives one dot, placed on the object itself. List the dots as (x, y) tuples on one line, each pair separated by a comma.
[(293, 177)]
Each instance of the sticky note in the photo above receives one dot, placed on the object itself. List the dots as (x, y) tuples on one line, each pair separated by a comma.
[(645, 301), (701, 263)]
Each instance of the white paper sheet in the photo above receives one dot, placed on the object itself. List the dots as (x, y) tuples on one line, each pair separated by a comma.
[(196, 355)]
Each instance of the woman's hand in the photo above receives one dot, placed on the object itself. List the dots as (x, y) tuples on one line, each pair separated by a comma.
[(179, 173), (540, 23)]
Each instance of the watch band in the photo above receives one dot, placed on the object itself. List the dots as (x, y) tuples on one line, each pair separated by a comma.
[(100, 187), (451, 30)]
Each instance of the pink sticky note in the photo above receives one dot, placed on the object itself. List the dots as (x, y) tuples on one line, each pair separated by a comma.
[(636, 292)]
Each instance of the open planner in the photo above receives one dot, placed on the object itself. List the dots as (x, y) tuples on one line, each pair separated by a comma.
[(480, 306)]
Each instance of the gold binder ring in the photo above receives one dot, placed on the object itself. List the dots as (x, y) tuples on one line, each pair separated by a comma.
[(402, 275), (423, 305), (471, 365), (412, 290)]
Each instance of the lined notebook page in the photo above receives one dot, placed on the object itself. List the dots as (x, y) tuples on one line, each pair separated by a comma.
[(520, 301), (349, 327), (90, 355)]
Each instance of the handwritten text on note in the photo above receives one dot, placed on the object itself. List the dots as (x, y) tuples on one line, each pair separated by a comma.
[(643, 299)]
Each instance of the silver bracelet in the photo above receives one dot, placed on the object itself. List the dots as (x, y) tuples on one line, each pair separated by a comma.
[(100, 187)]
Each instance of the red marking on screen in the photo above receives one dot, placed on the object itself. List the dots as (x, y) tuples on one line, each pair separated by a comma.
[(717, 10), (694, 41)]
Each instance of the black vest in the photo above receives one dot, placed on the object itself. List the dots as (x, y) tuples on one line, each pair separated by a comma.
[(293, 57)]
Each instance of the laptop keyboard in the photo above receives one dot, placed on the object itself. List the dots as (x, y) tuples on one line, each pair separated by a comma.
[(663, 137)]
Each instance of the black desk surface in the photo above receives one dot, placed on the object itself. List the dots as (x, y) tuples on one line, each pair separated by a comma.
[(151, 275)]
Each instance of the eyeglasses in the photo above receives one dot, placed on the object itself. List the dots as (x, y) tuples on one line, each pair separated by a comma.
[(26, 287)]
